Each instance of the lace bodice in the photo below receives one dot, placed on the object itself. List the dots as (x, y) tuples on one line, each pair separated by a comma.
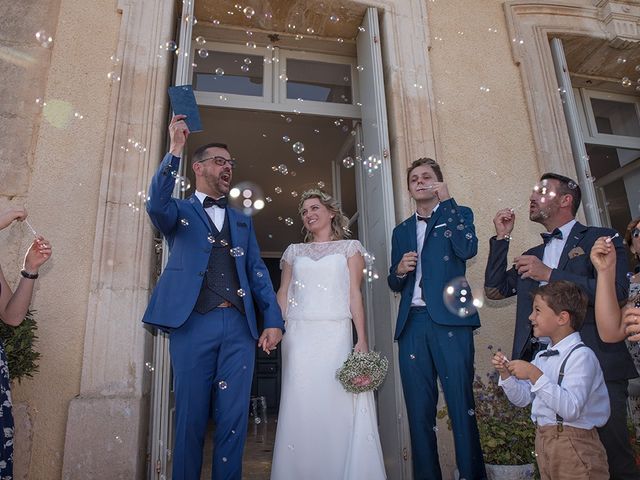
[(319, 287)]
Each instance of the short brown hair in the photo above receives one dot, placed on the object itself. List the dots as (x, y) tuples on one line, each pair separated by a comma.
[(567, 187), (429, 162), (199, 153), (564, 296)]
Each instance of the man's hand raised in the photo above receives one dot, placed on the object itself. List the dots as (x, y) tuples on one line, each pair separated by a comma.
[(178, 133)]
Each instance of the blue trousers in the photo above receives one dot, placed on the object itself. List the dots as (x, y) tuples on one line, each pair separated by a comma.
[(212, 356), (429, 351)]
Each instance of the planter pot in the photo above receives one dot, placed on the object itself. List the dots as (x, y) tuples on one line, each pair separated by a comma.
[(510, 472)]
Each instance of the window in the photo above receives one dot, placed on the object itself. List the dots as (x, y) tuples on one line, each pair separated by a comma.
[(275, 79)]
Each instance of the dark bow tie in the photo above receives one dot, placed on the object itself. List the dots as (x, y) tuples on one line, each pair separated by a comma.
[(210, 202), (549, 353), (423, 219), (546, 237)]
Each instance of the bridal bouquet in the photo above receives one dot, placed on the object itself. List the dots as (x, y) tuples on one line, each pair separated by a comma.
[(362, 372)]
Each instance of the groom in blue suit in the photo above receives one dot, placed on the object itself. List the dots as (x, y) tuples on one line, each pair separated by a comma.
[(429, 249), (205, 300)]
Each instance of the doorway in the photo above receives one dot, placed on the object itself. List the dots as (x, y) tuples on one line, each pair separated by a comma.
[(292, 99)]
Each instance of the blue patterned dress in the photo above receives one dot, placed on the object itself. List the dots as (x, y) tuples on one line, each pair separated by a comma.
[(6, 420)]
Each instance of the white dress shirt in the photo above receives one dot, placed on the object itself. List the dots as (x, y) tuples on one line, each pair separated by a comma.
[(582, 400), (216, 214), (553, 249), (421, 228)]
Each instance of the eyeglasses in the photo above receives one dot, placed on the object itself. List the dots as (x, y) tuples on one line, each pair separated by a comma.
[(220, 161), (635, 233)]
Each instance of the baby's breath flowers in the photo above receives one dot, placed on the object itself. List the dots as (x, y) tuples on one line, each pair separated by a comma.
[(362, 372)]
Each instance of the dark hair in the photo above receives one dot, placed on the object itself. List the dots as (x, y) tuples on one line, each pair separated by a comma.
[(567, 187), (199, 153), (430, 162), (564, 296), (628, 239)]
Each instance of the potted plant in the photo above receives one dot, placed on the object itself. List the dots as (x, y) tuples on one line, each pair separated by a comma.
[(507, 434), (19, 348)]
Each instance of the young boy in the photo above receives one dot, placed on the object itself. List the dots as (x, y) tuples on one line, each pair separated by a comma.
[(566, 385)]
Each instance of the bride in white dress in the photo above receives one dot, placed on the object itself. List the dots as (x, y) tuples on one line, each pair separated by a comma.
[(324, 432)]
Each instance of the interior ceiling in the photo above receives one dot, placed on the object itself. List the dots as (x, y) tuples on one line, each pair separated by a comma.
[(607, 66), (255, 141)]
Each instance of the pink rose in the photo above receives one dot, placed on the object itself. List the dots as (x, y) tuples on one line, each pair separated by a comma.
[(361, 380)]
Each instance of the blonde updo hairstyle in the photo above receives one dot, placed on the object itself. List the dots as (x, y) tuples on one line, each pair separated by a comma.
[(339, 222)]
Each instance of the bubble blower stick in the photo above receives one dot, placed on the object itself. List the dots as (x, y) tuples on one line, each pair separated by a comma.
[(35, 234), (608, 240)]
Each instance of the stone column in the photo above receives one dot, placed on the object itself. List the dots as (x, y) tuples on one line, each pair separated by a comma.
[(107, 423)]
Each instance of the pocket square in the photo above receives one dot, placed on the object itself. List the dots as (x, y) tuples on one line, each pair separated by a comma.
[(441, 225), (576, 252)]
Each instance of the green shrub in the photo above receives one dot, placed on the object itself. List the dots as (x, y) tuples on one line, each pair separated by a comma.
[(19, 348), (507, 434)]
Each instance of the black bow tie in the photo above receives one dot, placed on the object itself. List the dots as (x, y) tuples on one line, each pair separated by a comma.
[(423, 219), (546, 237), (210, 202), (549, 353)]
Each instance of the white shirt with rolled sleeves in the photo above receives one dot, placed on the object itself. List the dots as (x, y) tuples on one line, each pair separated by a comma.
[(582, 400)]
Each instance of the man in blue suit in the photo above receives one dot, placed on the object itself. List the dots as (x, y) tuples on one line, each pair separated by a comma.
[(429, 249), (205, 300), (564, 255)]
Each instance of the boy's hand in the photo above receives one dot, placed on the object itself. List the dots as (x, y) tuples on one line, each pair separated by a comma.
[(501, 364), (524, 370)]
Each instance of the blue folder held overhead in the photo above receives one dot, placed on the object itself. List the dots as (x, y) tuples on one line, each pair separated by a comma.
[(183, 102)]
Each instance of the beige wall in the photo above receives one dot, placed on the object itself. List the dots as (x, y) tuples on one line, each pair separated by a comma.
[(51, 163)]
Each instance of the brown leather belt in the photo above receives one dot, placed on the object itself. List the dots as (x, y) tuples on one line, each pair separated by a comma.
[(225, 304)]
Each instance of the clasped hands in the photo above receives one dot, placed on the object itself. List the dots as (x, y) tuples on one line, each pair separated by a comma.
[(269, 339)]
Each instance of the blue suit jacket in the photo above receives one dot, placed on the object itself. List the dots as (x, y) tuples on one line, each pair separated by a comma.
[(457, 248), (574, 266), (185, 225)]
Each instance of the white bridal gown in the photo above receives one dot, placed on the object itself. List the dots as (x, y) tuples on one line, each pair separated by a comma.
[(324, 432)]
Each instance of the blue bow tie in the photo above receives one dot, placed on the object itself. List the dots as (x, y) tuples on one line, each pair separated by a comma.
[(549, 353), (210, 202), (546, 237)]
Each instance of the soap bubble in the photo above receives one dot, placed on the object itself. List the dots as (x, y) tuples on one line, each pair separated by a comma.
[(248, 12), (44, 39), (219, 71), (247, 197), (203, 52), (298, 147), (458, 298), (348, 162)]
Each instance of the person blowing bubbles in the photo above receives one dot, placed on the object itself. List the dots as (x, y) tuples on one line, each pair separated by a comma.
[(565, 385), (13, 308)]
